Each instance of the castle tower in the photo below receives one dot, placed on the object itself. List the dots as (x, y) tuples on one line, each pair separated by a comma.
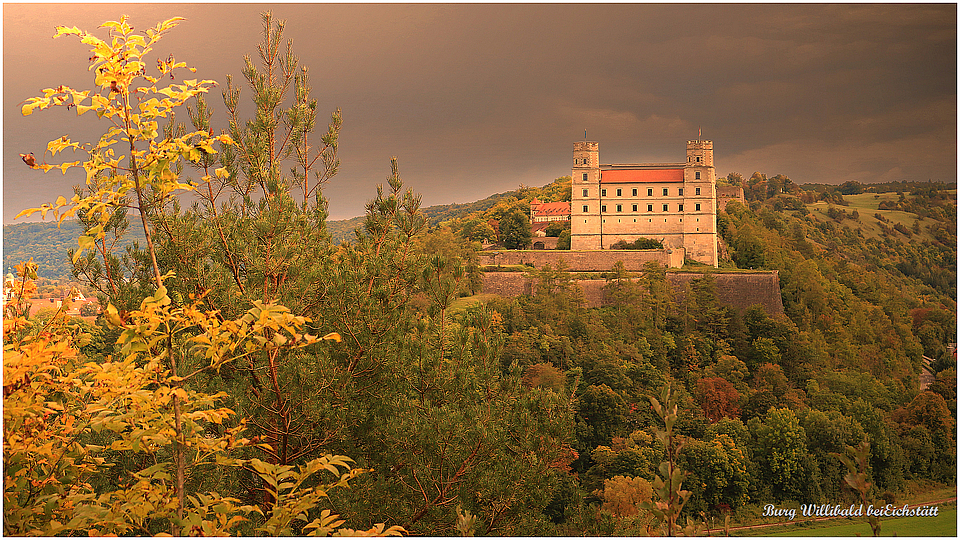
[(700, 153), (534, 206), (700, 202), (585, 219)]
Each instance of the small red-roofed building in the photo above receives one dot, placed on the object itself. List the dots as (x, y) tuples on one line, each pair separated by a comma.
[(543, 214)]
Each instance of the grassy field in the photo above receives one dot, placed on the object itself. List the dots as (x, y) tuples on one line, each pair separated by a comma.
[(461, 304), (867, 222), (867, 205), (870, 201)]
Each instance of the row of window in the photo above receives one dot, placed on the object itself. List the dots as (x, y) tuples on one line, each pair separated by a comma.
[(666, 192), (649, 221), (666, 208), (585, 176)]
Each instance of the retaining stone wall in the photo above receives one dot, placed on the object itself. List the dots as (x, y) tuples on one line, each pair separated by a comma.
[(742, 290), (737, 290), (585, 261)]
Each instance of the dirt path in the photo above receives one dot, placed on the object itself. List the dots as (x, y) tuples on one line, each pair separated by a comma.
[(784, 523)]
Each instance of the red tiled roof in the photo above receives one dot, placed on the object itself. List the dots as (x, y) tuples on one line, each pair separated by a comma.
[(541, 225), (630, 176), (553, 209)]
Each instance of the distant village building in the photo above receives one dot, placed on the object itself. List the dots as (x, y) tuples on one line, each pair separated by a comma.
[(726, 194), (675, 203), (543, 214), (9, 290)]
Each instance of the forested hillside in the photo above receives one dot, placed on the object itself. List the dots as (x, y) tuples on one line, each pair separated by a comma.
[(251, 375), (343, 230), (49, 245)]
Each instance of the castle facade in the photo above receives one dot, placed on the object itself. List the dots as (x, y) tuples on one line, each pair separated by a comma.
[(675, 203)]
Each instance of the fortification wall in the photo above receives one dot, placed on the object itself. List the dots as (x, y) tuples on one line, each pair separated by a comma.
[(508, 284), (737, 290), (585, 261), (548, 242), (740, 290)]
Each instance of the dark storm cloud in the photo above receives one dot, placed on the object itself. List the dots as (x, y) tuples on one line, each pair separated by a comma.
[(476, 99)]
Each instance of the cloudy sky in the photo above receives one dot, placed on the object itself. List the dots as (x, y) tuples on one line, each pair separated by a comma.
[(478, 99)]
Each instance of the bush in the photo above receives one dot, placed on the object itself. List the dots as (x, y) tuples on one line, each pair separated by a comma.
[(622, 494), (639, 243), (556, 228)]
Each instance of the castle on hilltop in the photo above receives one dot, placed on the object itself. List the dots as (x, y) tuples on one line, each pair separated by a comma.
[(675, 203)]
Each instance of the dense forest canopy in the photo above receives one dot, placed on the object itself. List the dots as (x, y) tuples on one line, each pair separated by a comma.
[(249, 365)]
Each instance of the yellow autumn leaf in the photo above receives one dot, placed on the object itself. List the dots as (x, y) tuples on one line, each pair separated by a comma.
[(85, 242), (61, 30), (90, 39), (28, 212), (65, 166), (113, 316), (168, 24), (27, 109), (61, 144), (111, 24), (136, 40)]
